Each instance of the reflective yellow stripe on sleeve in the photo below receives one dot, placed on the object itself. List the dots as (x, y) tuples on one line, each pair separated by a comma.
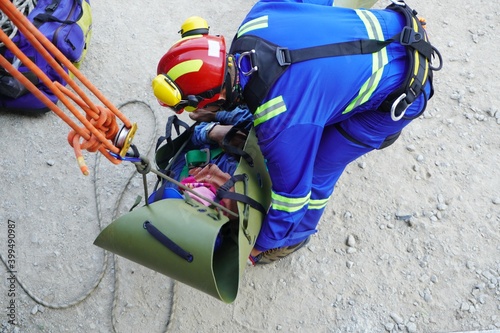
[(286, 204), (269, 110), (379, 60)]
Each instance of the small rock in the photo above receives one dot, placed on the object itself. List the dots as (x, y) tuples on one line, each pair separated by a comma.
[(427, 297), (50, 162), (351, 241), (470, 265), (465, 306), (491, 112), (496, 201), (396, 318), (411, 327), (442, 206), (480, 286), (410, 148), (456, 95), (403, 216), (34, 310)]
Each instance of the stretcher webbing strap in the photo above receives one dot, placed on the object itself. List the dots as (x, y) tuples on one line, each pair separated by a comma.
[(224, 192), (236, 151), (172, 122), (99, 122)]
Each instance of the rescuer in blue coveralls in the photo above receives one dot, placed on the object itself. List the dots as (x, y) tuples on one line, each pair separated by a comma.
[(316, 118)]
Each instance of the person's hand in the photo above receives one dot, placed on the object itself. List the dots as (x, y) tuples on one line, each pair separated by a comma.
[(203, 115), (255, 252), (218, 132)]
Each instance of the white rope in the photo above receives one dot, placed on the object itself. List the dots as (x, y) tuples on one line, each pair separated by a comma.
[(25, 7), (115, 267)]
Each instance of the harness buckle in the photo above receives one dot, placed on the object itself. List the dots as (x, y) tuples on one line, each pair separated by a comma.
[(207, 152), (410, 36), (194, 158), (398, 110), (283, 56), (251, 58)]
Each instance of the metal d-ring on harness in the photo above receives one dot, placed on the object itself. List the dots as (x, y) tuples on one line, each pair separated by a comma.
[(269, 61), (251, 55), (394, 107)]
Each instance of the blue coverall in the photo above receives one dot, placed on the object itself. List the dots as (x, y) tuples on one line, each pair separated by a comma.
[(297, 124)]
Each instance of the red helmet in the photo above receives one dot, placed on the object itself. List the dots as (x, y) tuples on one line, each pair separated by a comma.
[(192, 73)]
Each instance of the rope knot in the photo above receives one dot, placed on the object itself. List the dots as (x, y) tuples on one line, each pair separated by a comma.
[(105, 124)]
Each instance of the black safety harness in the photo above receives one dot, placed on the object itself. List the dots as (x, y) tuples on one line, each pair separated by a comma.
[(269, 61)]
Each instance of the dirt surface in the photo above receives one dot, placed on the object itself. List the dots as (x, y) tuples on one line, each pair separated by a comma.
[(410, 241)]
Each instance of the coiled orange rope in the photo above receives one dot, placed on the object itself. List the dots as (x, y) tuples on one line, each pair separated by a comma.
[(99, 124)]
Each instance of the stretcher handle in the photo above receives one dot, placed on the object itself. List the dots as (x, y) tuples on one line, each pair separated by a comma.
[(167, 242)]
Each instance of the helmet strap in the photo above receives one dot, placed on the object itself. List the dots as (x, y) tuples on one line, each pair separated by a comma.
[(194, 100)]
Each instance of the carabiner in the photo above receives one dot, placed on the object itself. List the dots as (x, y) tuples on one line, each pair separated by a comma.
[(394, 106)]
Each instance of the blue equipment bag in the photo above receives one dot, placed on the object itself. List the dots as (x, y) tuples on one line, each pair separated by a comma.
[(68, 25)]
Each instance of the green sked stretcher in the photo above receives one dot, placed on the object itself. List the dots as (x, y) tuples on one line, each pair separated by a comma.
[(177, 237)]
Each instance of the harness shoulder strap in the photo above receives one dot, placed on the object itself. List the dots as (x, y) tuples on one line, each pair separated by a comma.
[(269, 61)]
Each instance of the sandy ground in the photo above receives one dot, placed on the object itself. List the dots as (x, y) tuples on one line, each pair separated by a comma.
[(423, 216)]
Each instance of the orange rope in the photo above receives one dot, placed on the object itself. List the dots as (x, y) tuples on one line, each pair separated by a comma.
[(100, 124)]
